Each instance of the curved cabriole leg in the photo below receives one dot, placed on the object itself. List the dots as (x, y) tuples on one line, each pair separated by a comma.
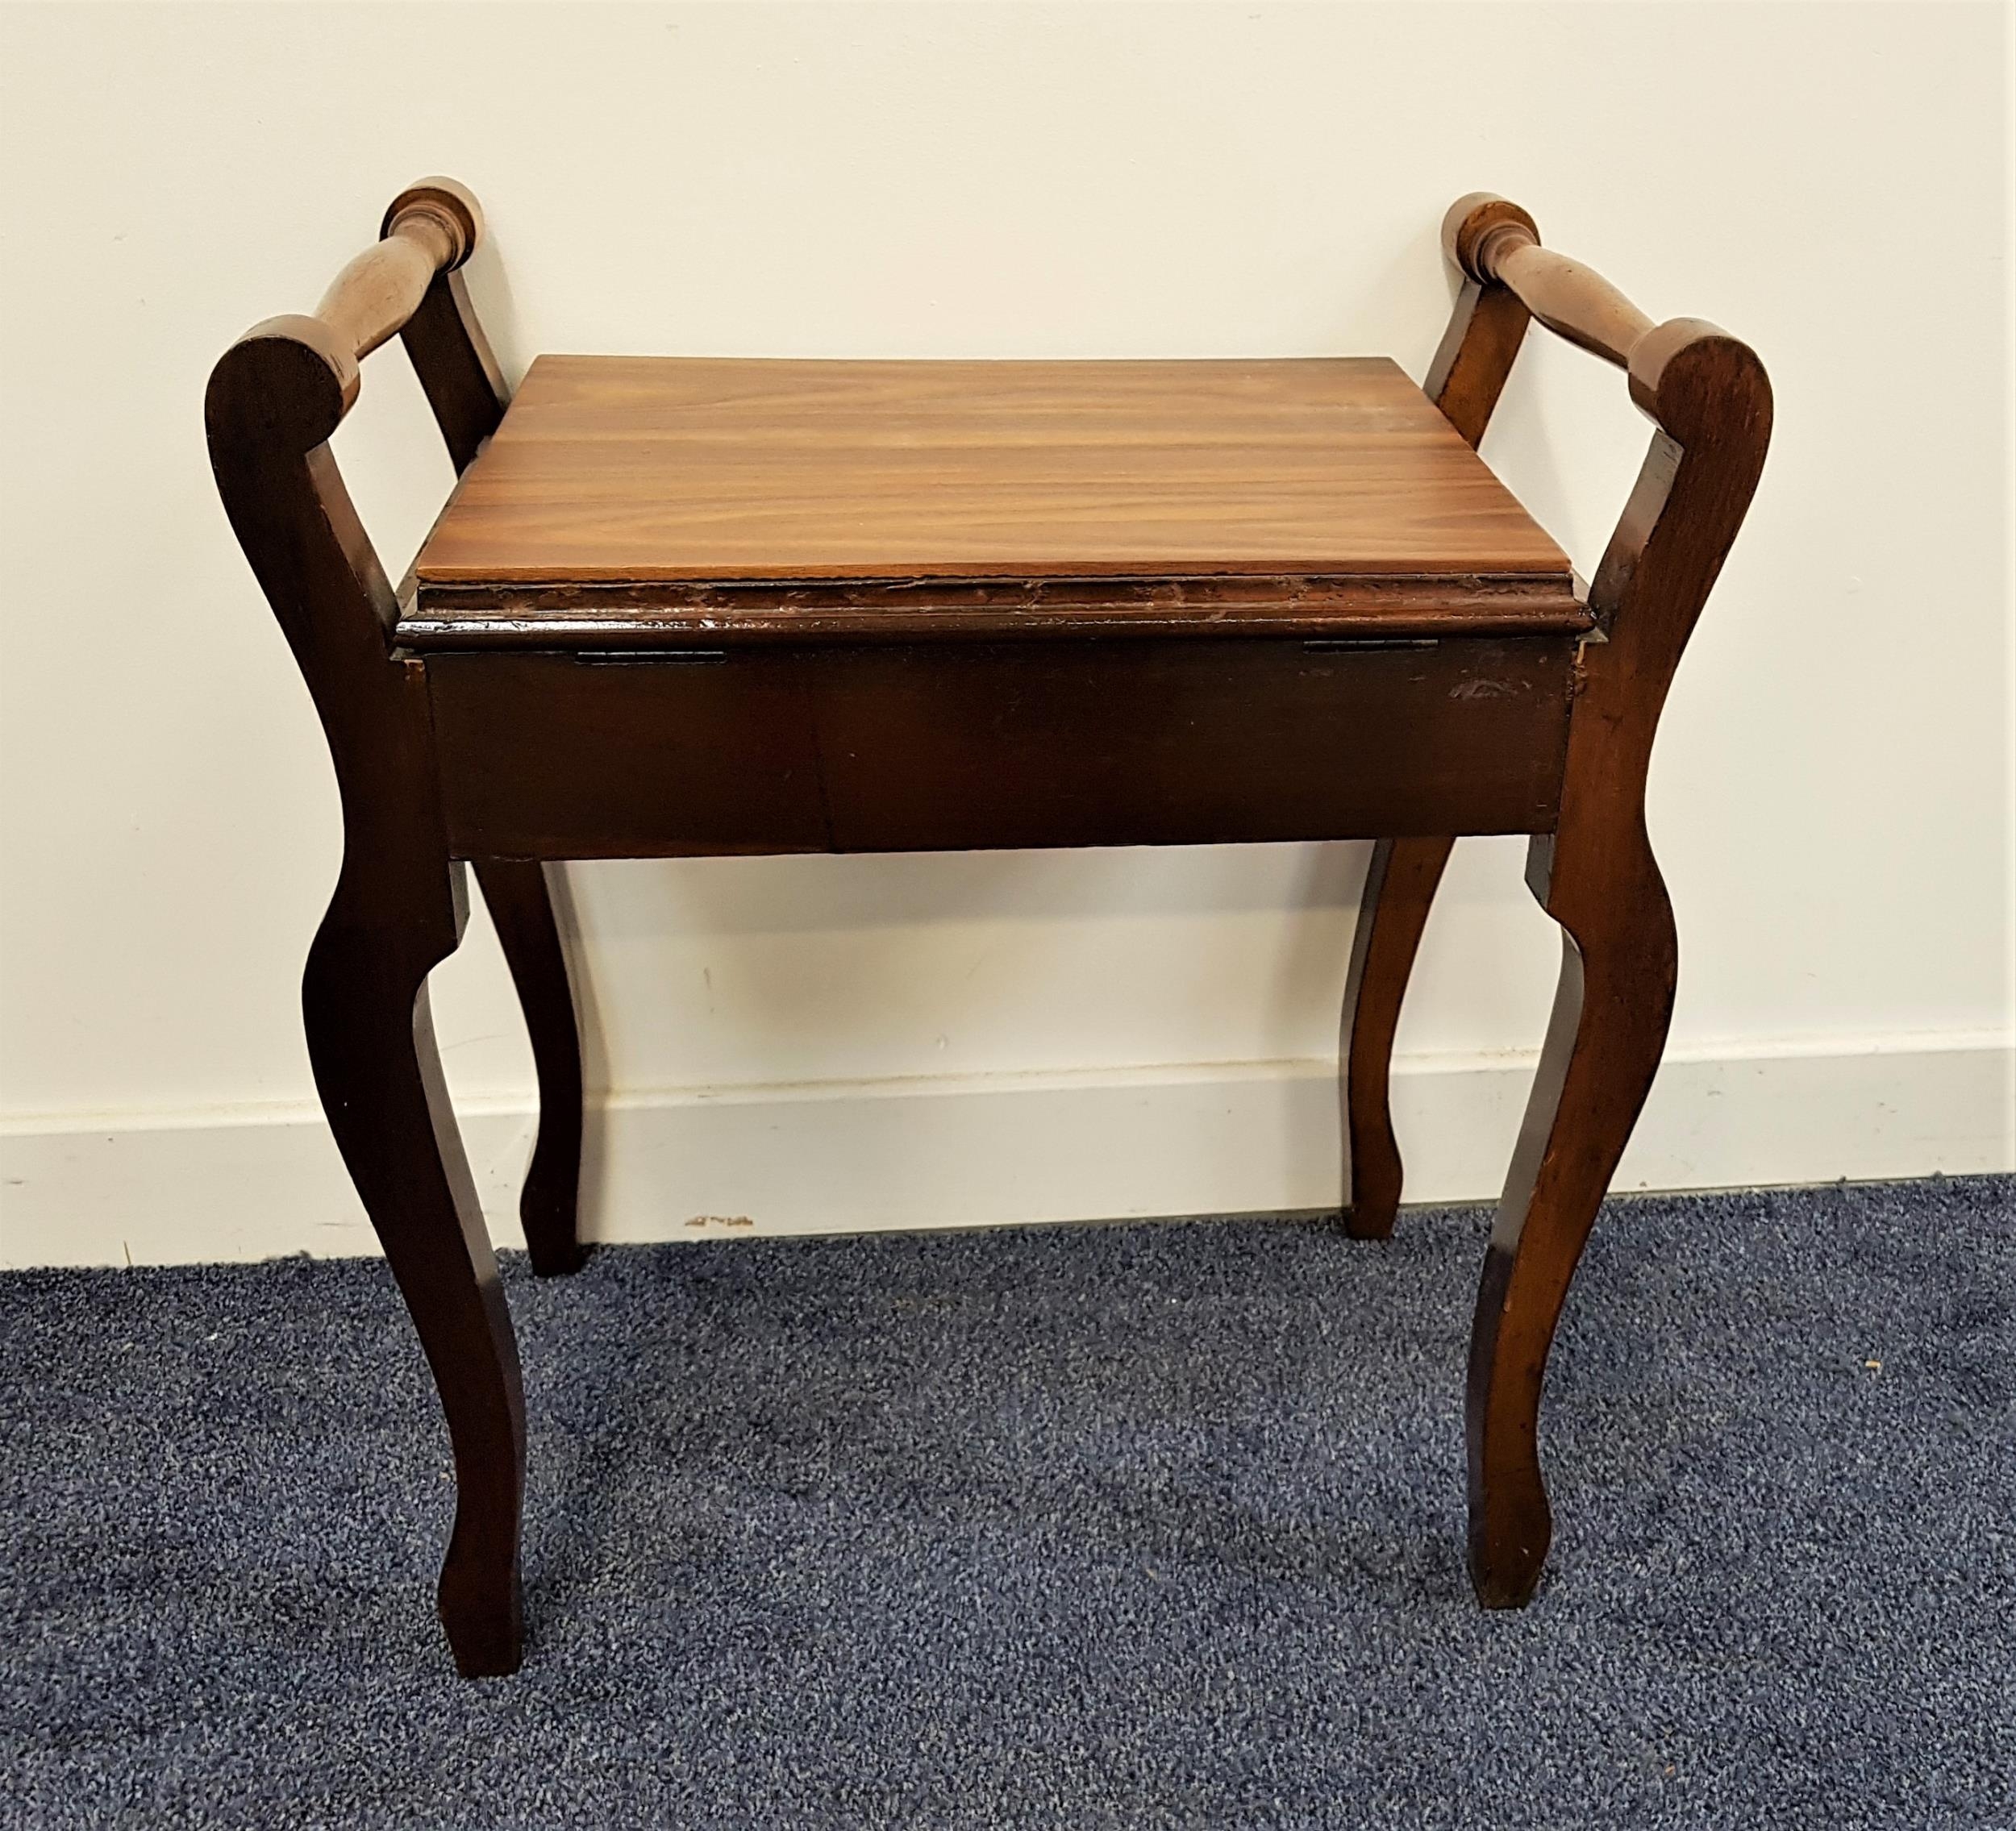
[(371, 1038), (275, 399), (1400, 888), (521, 908), (1619, 957), (1597, 877), (1708, 398)]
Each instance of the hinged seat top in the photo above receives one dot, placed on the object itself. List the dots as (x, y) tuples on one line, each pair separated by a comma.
[(630, 503)]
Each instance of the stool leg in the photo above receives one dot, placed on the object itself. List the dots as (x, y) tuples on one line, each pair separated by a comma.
[(1393, 909), (1596, 876), (521, 907), (1615, 998), (371, 1038)]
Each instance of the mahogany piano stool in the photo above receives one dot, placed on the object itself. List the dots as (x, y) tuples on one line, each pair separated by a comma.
[(678, 608)]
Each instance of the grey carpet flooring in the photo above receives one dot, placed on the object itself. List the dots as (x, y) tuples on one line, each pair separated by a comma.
[(1151, 1525)]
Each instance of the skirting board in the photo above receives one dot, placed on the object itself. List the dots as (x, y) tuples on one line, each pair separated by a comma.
[(845, 1157)]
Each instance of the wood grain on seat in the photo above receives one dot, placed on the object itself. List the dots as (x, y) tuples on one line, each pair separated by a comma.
[(629, 501)]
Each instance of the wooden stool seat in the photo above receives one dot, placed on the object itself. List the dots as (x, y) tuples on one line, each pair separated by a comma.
[(636, 502), (681, 607)]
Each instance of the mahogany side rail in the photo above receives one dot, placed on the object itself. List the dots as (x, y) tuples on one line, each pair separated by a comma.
[(1709, 400), (1548, 732), (275, 399)]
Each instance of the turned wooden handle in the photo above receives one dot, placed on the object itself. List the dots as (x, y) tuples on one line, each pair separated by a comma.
[(432, 226), (1495, 242)]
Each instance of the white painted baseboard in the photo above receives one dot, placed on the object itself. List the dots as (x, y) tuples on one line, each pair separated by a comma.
[(843, 1157)]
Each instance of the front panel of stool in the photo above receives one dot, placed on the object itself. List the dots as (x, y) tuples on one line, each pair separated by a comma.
[(966, 747)]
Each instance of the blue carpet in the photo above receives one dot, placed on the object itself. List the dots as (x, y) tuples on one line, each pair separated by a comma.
[(1154, 1525)]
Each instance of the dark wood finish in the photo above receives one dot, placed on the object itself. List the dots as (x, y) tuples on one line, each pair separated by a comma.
[(959, 747), (1486, 330), (465, 388), (1393, 910), (1468, 375), (521, 909), (274, 400), (1188, 743), (734, 613), (692, 607), (371, 1039), (1596, 876), (457, 369), (553, 756)]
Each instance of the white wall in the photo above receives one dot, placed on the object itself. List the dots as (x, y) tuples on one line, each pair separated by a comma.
[(1006, 1036)]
